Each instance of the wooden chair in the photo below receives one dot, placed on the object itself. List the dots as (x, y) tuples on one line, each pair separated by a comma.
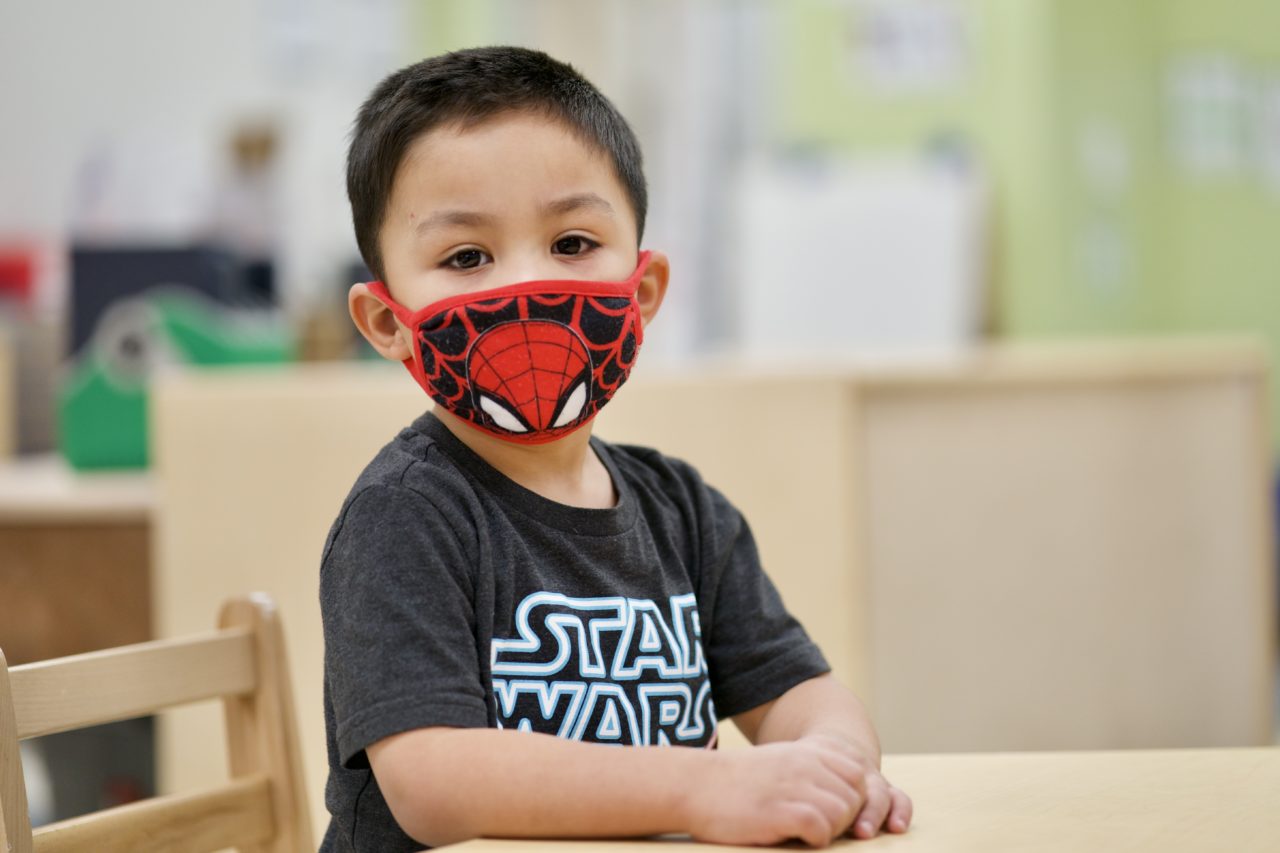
[(262, 809)]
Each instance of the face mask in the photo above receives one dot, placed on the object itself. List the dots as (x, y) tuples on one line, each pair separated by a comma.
[(528, 362)]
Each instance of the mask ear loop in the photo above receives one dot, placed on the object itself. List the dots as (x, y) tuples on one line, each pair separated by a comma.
[(383, 295), (380, 292), (641, 267)]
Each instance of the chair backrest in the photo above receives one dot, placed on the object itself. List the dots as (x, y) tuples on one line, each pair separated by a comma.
[(262, 809)]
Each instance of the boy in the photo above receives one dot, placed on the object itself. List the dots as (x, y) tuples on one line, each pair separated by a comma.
[(503, 595)]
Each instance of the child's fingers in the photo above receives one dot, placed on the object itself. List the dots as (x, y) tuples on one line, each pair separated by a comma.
[(838, 807), (852, 772), (874, 810), (807, 822), (900, 812)]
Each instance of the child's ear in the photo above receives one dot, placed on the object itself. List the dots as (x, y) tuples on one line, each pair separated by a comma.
[(378, 325), (653, 286)]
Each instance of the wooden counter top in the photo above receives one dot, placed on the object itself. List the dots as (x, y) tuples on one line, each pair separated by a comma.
[(1143, 800), (45, 488)]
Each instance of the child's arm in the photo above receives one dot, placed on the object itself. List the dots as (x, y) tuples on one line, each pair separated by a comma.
[(822, 711), (445, 785)]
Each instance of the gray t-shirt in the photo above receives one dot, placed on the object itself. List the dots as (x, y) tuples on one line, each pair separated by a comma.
[(452, 596)]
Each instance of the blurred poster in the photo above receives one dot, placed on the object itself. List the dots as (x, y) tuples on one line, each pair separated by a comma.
[(1208, 103), (1104, 246), (909, 46), (887, 255), (1267, 132), (333, 39)]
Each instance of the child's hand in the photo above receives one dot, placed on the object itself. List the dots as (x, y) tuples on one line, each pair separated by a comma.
[(812, 789), (886, 807)]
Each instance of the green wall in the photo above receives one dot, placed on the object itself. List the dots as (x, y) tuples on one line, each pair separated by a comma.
[(1102, 140), (1220, 252), (1098, 229), (444, 25)]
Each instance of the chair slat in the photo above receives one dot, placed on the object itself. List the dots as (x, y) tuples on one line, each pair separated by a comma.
[(236, 815), (130, 681)]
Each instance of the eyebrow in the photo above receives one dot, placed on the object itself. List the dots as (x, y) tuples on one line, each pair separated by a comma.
[(578, 201), (457, 218), (473, 219)]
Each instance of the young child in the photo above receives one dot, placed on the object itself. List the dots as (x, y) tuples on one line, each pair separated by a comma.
[(524, 624)]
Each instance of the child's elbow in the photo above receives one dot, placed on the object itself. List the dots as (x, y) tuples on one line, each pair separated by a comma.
[(427, 806), (435, 832), (428, 818)]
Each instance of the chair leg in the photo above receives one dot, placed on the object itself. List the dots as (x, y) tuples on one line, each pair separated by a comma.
[(15, 823)]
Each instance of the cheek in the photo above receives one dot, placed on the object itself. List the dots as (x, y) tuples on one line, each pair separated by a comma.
[(616, 263), (417, 284)]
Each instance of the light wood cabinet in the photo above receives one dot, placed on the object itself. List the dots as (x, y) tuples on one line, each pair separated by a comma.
[(1022, 549)]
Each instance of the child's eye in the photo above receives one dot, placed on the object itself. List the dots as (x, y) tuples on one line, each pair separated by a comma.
[(467, 259), (574, 245)]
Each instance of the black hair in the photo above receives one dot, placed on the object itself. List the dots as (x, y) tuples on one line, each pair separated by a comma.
[(467, 88)]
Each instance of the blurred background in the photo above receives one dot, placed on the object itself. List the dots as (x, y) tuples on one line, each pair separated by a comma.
[(1047, 230), (1072, 168)]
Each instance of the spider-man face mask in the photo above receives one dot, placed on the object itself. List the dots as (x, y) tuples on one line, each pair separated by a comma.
[(528, 362)]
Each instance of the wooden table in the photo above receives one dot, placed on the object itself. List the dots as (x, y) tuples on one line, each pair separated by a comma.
[(1074, 802)]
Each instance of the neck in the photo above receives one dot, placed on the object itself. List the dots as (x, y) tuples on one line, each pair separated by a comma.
[(566, 470)]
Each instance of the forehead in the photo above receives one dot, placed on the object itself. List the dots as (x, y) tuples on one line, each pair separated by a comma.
[(504, 161)]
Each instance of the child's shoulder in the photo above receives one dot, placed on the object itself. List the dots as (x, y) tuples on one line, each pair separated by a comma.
[(649, 464), (411, 464), (672, 492), (411, 489), (652, 470)]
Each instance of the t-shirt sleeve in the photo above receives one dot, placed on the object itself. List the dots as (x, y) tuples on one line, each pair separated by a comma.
[(396, 600), (755, 649)]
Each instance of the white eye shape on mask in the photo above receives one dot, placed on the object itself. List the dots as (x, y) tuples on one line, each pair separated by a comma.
[(573, 406), (501, 415)]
